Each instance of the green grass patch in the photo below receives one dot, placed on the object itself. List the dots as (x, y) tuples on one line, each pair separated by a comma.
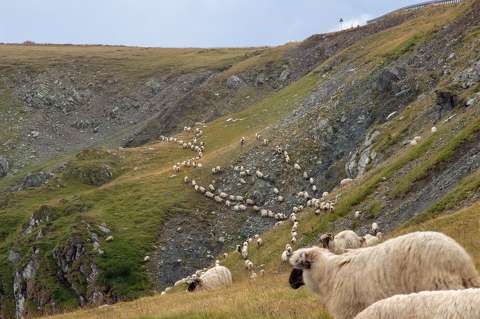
[(467, 134), (466, 188)]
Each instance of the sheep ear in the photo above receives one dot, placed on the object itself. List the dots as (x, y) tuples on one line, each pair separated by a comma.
[(305, 260)]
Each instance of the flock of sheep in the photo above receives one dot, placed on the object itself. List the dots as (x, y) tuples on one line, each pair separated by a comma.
[(418, 275)]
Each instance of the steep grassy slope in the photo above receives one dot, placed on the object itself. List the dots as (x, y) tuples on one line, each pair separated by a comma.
[(139, 200)]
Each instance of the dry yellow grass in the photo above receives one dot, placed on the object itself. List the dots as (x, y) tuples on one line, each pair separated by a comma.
[(268, 297)]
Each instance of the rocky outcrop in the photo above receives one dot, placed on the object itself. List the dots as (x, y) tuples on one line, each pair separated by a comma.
[(235, 82), (77, 269), (36, 179), (23, 284), (469, 77), (360, 159)]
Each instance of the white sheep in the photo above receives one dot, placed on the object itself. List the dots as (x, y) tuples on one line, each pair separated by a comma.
[(297, 166), (209, 194), (446, 304), (350, 282), (305, 175), (293, 217), (280, 199), (276, 191), (346, 181), (223, 195), (248, 265), (211, 187), (374, 228), (259, 174), (371, 240), (245, 251), (357, 214), (311, 180), (216, 277), (259, 242), (342, 241), (434, 129), (185, 179)]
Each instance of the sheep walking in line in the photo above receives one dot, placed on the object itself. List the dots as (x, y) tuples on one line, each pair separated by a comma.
[(342, 241), (351, 282), (446, 304), (216, 277)]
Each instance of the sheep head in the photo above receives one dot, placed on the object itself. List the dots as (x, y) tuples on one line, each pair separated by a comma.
[(192, 285), (325, 239), (302, 261)]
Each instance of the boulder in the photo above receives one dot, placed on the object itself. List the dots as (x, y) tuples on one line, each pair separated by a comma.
[(35, 179), (388, 78), (234, 82)]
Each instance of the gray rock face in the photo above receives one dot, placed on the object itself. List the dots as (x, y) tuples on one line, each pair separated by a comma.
[(3, 166), (234, 82), (469, 77), (388, 78)]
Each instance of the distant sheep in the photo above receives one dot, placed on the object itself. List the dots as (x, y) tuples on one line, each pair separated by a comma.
[(216, 277), (371, 240), (356, 279), (447, 304), (245, 251), (297, 166), (434, 129), (346, 181), (248, 265), (259, 242), (342, 241)]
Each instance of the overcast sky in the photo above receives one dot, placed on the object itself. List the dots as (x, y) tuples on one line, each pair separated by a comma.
[(181, 23)]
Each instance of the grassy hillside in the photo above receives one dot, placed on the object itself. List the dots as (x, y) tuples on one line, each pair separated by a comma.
[(142, 193)]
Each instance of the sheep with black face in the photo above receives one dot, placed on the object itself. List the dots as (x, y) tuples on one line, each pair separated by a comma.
[(349, 283), (216, 277)]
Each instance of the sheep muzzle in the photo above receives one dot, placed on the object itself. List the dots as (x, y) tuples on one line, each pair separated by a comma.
[(296, 278)]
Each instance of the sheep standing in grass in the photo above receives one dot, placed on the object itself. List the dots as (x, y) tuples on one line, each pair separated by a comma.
[(371, 240), (345, 182), (216, 277), (342, 241), (350, 282), (446, 304), (245, 250)]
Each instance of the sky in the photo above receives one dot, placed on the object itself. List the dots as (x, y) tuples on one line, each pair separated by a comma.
[(182, 23)]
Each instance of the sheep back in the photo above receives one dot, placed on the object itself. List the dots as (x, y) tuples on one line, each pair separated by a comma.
[(459, 304), (216, 277)]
